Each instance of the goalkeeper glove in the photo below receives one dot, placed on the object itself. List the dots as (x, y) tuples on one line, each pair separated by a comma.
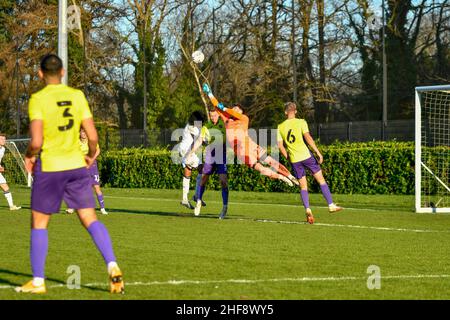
[(206, 89)]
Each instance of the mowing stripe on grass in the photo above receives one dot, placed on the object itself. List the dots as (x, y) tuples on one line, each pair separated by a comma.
[(231, 202), (238, 203), (296, 222), (251, 281)]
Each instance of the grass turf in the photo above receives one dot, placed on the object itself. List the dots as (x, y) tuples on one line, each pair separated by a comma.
[(263, 250)]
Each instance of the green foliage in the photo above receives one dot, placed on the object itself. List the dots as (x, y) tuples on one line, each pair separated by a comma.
[(370, 168), (349, 168), (108, 136), (158, 85), (6, 10), (184, 99)]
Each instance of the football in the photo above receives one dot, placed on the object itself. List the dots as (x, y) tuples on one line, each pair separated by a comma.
[(198, 56)]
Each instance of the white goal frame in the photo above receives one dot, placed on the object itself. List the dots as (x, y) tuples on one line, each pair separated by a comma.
[(19, 158), (422, 205)]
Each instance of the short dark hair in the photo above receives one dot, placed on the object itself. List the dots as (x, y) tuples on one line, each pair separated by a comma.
[(196, 116), (51, 64), (2, 134)]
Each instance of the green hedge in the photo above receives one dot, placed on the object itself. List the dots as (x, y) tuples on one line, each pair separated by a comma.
[(363, 168)]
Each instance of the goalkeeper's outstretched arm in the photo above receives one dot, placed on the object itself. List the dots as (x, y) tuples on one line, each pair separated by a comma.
[(218, 105)]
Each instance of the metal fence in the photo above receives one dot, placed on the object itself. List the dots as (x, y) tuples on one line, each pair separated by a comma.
[(363, 131), (358, 131)]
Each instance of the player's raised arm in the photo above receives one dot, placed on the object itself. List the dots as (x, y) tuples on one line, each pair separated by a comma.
[(224, 116), (214, 101), (218, 105), (233, 113)]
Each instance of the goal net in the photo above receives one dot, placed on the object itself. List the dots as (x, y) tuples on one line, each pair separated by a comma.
[(432, 148), (14, 164)]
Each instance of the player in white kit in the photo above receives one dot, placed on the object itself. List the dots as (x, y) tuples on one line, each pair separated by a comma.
[(3, 183), (190, 134)]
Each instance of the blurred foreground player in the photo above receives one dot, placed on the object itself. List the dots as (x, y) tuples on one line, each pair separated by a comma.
[(56, 114)]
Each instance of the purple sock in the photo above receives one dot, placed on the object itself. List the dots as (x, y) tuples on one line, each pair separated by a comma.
[(326, 193), (101, 238), (305, 198), (201, 192), (101, 202), (38, 251), (225, 196)]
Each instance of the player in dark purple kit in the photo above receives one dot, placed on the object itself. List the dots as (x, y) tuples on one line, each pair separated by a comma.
[(93, 170), (57, 113)]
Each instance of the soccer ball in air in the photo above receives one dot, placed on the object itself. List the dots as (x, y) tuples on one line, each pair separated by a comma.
[(198, 56)]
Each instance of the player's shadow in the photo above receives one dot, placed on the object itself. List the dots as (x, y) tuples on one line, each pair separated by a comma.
[(15, 273), (23, 208), (187, 214)]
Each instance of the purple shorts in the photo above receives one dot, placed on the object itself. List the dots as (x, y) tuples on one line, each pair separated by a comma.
[(50, 188), (300, 167), (95, 176), (210, 168), (212, 164)]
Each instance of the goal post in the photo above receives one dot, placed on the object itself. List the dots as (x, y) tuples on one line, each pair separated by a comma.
[(432, 149), (15, 164)]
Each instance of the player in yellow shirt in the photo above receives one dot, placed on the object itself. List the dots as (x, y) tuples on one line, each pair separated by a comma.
[(291, 137), (57, 113)]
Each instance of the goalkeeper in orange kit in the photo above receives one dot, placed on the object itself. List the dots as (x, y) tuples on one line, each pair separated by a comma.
[(246, 150)]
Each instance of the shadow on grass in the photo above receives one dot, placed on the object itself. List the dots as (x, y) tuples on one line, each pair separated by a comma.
[(166, 214), (23, 208), (15, 273)]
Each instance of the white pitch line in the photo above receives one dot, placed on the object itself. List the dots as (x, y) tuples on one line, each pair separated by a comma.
[(301, 222), (349, 226), (252, 281)]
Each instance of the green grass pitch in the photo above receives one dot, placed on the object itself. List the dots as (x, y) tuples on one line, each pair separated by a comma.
[(263, 250)]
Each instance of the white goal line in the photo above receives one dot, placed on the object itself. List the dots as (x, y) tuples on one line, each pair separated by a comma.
[(253, 281), (347, 226)]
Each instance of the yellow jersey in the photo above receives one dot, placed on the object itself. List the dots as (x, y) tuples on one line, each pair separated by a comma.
[(291, 131), (61, 110)]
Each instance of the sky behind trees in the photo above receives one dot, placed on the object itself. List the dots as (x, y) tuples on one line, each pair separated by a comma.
[(261, 53)]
